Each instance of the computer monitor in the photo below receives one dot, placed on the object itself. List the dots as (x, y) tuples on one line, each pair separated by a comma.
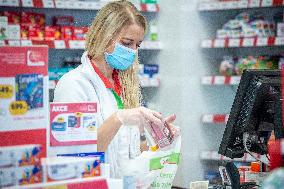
[(256, 111)]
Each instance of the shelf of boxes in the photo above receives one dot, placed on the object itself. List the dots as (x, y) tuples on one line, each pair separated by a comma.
[(220, 80), (213, 155), (215, 118), (241, 4), (86, 183), (243, 42), (71, 44), (150, 82), (74, 4)]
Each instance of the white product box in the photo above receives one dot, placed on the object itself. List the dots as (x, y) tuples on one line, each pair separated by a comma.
[(4, 19), (22, 155), (13, 32), (14, 176), (64, 168), (280, 29)]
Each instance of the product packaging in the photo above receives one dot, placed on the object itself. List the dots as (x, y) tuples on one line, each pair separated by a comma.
[(13, 17), (9, 32), (63, 20), (67, 32), (32, 19), (162, 135), (280, 29), (52, 33), (80, 33), (15, 176), (21, 155), (36, 33), (64, 168)]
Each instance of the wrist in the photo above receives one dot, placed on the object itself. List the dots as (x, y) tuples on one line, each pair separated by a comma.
[(117, 120)]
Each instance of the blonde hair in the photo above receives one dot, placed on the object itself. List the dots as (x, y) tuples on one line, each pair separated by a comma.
[(107, 24)]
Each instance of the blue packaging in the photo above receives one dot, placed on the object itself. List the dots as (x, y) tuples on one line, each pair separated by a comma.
[(58, 126), (29, 88), (101, 155), (151, 69)]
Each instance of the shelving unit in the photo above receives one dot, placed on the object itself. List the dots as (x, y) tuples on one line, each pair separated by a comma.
[(243, 42), (214, 48), (220, 80), (71, 44), (214, 156), (61, 4), (215, 118), (244, 4)]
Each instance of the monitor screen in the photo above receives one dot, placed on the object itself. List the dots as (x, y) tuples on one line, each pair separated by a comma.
[(256, 112)]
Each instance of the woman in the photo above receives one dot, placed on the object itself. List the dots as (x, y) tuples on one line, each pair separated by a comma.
[(108, 76)]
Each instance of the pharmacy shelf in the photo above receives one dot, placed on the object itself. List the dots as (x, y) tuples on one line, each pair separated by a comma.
[(74, 4), (214, 156), (71, 44), (243, 42), (86, 183), (150, 82), (241, 4), (220, 80), (215, 118)]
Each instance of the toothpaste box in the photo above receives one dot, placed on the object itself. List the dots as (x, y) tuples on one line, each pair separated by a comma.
[(64, 168), (22, 155), (14, 176)]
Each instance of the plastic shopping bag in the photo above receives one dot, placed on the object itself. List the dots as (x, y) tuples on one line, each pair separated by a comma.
[(155, 169), (167, 162)]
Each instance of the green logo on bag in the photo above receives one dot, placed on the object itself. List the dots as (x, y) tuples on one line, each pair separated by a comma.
[(159, 163)]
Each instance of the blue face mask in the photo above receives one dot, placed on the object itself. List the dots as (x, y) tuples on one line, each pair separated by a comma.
[(121, 58)]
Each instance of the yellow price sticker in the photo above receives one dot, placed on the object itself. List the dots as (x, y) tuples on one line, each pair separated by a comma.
[(18, 108), (57, 187), (6, 91), (78, 114)]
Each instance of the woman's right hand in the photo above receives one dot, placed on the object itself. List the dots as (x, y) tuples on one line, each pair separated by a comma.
[(141, 117)]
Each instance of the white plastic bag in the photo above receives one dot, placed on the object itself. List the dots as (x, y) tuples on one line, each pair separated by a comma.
[(155, 169), (167, 162)]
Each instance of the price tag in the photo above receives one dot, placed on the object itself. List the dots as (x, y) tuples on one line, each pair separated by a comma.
[(14, 43), (151, 8), (48, 4), (18, 108), (154, 82), (248, 42), (6, 91), (59, 44), (219, 43), (254, 3), (27, 3), (267, 3), (206, 43), (76, 44), (59, 4), (207, 118), (26, 43), (234, 42), (279, 41), (12, 3), (2, 43), (262, 41), (219, 80), (52, 84), (235, 80), (206, 80), (70, 5), (243, 4)]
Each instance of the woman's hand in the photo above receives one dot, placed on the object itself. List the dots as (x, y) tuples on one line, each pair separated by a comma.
[(141, 117), (175, 130)]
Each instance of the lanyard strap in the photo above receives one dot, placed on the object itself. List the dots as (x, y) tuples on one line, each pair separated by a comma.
[(118, 100)]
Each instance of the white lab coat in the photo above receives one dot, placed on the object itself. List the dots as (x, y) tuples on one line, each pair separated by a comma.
[(84, 85)]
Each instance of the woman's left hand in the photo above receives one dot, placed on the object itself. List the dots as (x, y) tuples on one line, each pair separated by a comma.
[(175, 130)]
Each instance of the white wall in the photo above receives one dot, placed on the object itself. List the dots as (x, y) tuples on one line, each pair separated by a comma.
[(182, 64)]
